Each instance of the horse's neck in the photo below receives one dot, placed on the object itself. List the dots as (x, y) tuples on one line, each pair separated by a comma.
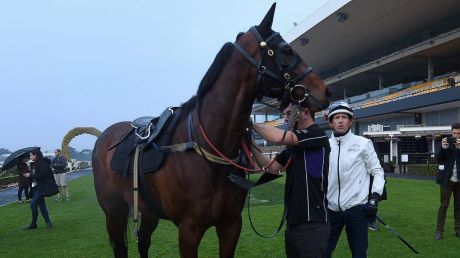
[(226, 108)]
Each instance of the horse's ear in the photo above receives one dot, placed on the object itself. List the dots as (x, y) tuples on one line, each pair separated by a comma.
[(239, 35), (265, 27)]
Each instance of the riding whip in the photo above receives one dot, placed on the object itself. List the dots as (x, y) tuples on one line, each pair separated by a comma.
[(397, 234)]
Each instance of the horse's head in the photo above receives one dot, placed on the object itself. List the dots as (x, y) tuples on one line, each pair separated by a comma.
[(281, 72)]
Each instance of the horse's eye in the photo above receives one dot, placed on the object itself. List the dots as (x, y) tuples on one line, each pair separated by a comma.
[(288, 57), (287, 51)]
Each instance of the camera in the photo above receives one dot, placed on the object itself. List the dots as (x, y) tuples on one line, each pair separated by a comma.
[(451, 140)]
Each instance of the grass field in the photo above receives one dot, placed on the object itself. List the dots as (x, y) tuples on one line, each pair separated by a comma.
[(80, 227)]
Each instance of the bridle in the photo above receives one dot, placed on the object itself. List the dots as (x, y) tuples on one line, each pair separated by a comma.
[(286, 80)]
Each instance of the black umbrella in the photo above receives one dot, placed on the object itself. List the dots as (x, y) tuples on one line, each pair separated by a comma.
[(16, 157)]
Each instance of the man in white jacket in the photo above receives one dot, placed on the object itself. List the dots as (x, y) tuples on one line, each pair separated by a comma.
[(352, 161)]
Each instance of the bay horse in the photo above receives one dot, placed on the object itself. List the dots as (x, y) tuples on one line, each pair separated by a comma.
[(195, 193)]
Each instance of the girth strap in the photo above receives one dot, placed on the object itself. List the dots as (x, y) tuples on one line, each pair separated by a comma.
[(146, 194), (136, 213)]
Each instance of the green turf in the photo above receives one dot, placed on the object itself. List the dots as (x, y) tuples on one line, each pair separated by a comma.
[(80, 226)]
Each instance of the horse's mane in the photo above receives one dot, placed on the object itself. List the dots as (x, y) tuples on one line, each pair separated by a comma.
[(210, 77)]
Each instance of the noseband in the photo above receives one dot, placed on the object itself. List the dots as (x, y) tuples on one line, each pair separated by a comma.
[(285, 78)]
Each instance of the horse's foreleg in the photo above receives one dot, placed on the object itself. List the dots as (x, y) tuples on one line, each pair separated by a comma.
[(190, 236), (228, 232), (148, 225)]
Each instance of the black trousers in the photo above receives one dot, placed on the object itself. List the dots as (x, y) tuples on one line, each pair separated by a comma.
[(451, 189), (26, 192), (356, 222), (307, 240)]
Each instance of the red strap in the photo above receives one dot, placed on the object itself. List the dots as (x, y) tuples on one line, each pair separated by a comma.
[(248, 154)]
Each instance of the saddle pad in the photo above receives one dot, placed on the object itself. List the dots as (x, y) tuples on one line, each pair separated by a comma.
[(151, 159)]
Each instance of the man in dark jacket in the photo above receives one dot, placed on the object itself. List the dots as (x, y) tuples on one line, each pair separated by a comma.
[(306, 160), (59, 164), (449, 179)]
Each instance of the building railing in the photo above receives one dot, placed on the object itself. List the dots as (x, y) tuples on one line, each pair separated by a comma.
[(419, 89), (416, 90)]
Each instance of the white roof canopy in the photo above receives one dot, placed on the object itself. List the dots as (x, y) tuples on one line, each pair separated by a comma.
[(413, 131)]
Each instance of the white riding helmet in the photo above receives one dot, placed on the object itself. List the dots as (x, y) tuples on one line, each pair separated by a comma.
[(339, 107)]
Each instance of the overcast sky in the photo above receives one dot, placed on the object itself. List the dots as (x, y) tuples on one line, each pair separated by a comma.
[(70, 63)]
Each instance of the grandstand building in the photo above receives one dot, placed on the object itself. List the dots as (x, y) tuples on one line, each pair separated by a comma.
[(396, 62)]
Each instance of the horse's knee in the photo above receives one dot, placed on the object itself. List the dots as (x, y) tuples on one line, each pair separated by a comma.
[(228, 233), (189, 239)]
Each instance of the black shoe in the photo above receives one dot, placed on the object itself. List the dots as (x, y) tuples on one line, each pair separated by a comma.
[(49, 225), (30, 227), (457, 234), (438, 236)]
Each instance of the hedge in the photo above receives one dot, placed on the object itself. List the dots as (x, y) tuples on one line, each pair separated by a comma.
[(8, 176), (9, 172), (422, 169), (8, 180)]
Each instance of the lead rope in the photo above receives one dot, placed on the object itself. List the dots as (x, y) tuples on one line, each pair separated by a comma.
[(136, 215), (296, 116), (283, 217)]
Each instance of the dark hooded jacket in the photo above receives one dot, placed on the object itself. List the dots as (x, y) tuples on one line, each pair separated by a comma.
[(43, 176)]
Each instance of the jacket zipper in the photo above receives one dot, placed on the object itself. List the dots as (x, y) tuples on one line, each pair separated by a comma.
[(338, 176)]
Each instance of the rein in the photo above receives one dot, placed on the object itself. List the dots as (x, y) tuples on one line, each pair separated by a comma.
[(232, 162)]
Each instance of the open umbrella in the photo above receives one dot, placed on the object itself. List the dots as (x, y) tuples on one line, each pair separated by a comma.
[(16, 157)]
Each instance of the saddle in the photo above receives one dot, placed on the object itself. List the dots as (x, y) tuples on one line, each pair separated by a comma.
[(151, 133), (148, 128)]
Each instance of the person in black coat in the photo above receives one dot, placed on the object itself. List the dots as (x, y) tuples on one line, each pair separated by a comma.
[(449, 180), (43, 185), (23, 182)]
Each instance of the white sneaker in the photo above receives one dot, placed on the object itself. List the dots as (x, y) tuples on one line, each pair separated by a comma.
[(373, 226)]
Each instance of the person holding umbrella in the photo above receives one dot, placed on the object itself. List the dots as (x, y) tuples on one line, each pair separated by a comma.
[(23, 182), (43, 185), (19, 159), (16, 157)]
